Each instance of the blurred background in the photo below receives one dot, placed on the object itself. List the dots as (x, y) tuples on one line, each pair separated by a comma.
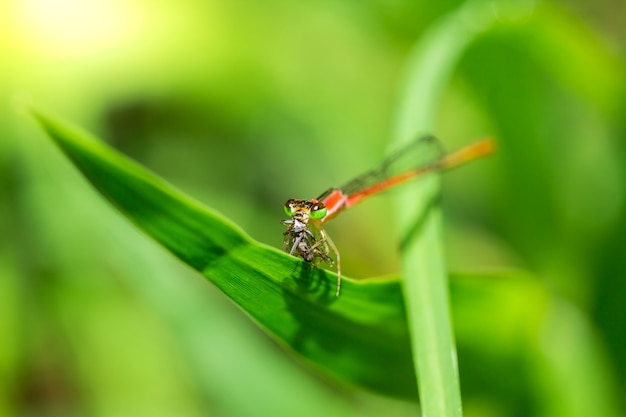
[(245, 104)]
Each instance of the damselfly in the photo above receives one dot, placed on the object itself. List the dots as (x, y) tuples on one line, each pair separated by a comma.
[(305, 236)]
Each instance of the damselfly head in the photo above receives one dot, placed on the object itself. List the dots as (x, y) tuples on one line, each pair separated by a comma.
[(303, 210), (306, 242)]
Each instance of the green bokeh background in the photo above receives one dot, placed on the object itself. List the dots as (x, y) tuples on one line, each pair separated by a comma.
[(244, 104)]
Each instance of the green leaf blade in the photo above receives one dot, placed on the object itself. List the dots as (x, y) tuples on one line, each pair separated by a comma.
[(426, 286), (359, 337)]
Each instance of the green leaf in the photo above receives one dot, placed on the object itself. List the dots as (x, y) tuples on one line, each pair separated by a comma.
[(359, 337), (430, 66)]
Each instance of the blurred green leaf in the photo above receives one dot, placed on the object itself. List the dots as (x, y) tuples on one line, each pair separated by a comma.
[(12, 347), (428, 72)]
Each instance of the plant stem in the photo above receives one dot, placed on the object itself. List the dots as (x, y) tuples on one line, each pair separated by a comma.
[(425, 279)]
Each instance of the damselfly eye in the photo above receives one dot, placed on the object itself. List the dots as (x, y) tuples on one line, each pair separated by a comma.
[(318, 211), (289, 207)]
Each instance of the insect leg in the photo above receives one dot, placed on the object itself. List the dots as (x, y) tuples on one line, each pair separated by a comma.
[(328, 241)]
